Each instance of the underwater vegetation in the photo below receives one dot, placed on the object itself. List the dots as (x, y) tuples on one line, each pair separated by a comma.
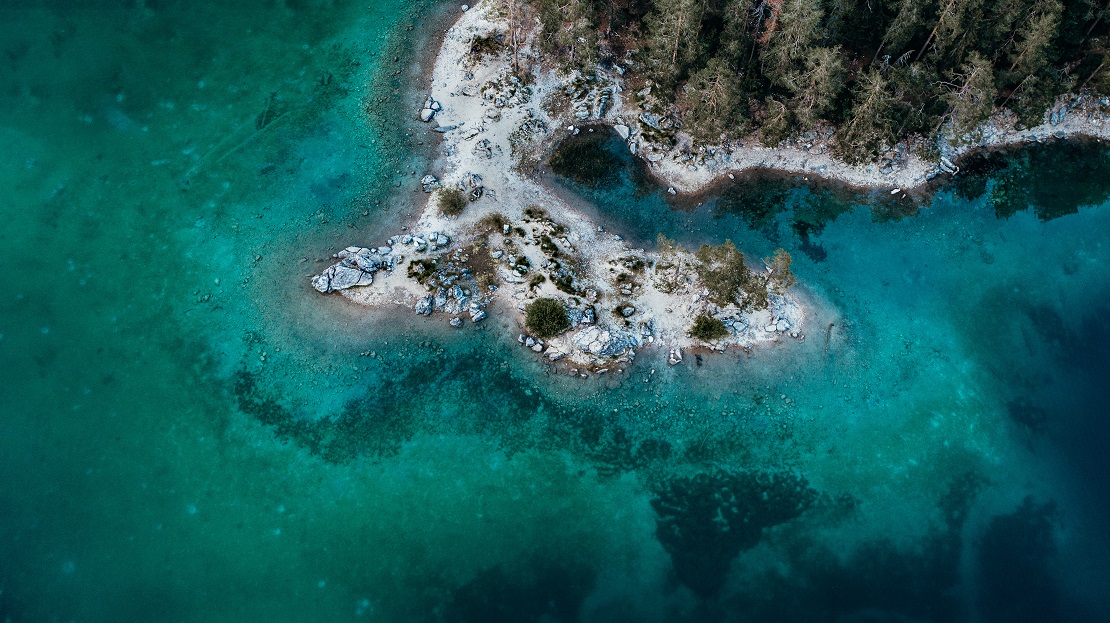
[(704, 521), (584, 159), (1054, 179)]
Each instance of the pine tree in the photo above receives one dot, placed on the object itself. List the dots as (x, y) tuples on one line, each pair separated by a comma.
[(569, 30), (673, 38), (970, 96), (871, 126), (816, 86), (711, 101), (787, 45), (909, 19), (955, 27), (1030, 53)]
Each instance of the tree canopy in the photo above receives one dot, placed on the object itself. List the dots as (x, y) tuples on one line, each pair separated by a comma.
[(880, 71)]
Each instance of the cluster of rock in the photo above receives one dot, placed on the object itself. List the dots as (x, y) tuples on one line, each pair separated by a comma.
[(506, 91), (609, 341), (591, 97), (455, 301), (356, 267), (428, 183), (425, 242), (537, 345), (429, 110)]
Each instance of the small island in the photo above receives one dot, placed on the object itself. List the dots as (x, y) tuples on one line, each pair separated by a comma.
[(492, 239)]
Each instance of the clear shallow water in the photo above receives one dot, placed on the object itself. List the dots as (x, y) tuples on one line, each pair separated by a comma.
[(188, 432)]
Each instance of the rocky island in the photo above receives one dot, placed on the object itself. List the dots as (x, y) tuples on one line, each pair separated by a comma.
[(493, 240)]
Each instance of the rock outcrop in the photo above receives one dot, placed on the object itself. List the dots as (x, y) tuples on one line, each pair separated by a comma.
[(606, 341), (356, 267)]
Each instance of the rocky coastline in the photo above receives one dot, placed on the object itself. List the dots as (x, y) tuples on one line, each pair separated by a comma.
[(507, 241)]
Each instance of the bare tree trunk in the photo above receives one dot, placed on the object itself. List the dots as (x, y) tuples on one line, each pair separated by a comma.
[(1093, 74), (940, 20)]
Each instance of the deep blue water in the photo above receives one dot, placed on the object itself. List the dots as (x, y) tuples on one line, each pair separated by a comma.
[(189, 433)]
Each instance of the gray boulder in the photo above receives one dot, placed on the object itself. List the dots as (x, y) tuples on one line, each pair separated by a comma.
[(341, 277), (606, 342), (356, 267)]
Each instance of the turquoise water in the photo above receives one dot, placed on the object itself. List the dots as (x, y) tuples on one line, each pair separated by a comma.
[(190, 433)]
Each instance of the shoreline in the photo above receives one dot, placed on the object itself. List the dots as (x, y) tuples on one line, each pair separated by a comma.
[(695, 170), (517, 241)]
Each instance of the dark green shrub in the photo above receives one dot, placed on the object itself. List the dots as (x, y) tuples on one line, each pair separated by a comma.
[(452, 201), (547, 245), (707, 328), (546, 318)]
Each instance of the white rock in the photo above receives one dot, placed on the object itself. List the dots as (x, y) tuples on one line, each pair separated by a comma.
[(341, 277)]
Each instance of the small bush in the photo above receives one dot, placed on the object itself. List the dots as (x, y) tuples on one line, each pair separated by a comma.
[(452, 201), (707, 328), (565, 284), (546, 318), (535, 213), (482, 46), (547, 245), (421, 270), (494, 223)]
